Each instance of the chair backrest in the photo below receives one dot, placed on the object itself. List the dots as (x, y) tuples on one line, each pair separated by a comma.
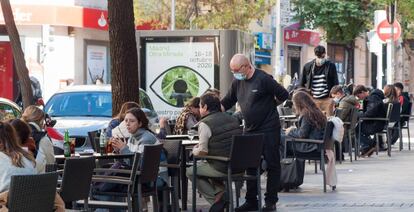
[(77, 176), (410, 108), (246, 152), (394, 112), (354, 118), (172, 149), (327, 136), (32, 192), (92, 136), (150, 163)]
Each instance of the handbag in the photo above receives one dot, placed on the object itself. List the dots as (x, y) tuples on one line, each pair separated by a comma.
[(291, 173)]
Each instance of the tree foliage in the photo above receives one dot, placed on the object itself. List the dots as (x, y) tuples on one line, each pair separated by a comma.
[(342, 20), (203, 14)]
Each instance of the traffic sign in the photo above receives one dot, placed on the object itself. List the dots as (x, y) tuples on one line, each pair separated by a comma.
[(384, 30)]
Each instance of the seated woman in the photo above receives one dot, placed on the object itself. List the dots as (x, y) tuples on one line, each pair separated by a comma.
[(119, 117), (390, 93), (311, 124), (35, 117), (188, 117), (24, 134), (13, 159), (137, 125)]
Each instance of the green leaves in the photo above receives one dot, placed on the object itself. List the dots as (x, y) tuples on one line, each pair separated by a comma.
[(204, 14), (342, 20)]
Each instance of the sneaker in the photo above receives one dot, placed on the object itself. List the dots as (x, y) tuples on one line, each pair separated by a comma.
[(269, 207), (247, 207), (369, 152)]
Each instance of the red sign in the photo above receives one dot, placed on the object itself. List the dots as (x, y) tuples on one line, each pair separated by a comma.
[(301, 36), (384, 30), (6, 71)]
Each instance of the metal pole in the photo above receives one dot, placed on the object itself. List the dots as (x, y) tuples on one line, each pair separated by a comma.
[(390, 75), (172, 14)]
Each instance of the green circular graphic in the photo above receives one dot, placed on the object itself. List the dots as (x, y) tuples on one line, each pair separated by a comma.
[(179, 85)]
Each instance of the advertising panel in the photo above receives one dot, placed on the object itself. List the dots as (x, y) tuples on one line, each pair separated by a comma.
[(177, 72), (96, 64)]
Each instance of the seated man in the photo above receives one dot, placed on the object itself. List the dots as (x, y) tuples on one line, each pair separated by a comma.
[(343, 102), (215, 131), (373, 107)]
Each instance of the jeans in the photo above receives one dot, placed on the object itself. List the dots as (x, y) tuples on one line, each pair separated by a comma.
[(272, 158)]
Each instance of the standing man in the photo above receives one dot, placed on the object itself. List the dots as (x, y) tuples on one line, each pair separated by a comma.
[(319, 76), (256, 92)]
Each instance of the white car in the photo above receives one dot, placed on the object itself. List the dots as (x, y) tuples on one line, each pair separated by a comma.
[(84, 108)]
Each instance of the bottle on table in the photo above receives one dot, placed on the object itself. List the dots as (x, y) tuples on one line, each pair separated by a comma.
[(102, 141), (66, 144)]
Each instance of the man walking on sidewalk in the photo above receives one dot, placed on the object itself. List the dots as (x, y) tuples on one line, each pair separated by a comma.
[(256, 92)]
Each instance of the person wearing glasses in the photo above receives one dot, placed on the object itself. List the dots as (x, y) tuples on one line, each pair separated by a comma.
[(257, 93)]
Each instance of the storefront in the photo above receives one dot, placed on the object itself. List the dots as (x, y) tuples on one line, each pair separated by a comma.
[(63, 41)]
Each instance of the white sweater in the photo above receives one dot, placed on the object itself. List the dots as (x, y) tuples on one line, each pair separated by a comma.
[(8, 170)]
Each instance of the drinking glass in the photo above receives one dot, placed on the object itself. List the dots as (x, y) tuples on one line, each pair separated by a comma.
[(191, 133)]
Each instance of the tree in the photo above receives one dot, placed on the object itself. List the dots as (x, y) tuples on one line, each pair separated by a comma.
[(342, 20), (18, 55), (123, 51), (204, 14)]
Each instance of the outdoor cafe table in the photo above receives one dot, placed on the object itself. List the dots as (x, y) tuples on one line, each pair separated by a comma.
[(97, 156)]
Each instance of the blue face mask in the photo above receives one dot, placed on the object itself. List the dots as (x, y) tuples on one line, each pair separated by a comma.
[(239, 76)]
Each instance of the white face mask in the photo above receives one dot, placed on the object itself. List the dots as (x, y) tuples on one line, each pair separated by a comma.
[(320, 61), (337, 100)]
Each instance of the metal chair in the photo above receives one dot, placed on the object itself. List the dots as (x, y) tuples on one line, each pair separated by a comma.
[(172, 149), (351, 133), (326, 141), (76, 180), (392, 118), (245, 153), (29, 193), (144, 171), (407, 118)]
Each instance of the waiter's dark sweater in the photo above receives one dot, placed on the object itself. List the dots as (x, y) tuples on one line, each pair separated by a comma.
[(256, 97)]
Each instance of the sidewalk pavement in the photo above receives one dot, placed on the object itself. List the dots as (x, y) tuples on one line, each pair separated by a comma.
[(377, 183)]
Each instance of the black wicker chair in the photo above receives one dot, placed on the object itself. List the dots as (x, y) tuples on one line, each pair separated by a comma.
[(32, 192), (173, 149), (76, 180), (246, 152), (144, 171), (320, 156), (407, 117)]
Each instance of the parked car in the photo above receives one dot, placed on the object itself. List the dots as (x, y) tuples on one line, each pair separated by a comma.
[(84, 108), (9, 110)]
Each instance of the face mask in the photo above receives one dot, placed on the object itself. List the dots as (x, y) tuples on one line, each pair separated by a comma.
[(336, 100), (239, 76), (320, 61)]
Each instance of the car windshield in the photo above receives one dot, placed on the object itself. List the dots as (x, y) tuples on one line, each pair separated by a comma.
[(80, 104)]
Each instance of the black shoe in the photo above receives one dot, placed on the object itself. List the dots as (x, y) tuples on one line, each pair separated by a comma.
[(218, 206), (247, 207), (269, 207)]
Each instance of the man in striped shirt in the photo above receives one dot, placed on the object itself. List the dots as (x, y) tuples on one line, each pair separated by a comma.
[(319, 76)]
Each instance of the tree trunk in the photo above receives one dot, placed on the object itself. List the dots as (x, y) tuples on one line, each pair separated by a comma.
[(123, 51), (18, 55)]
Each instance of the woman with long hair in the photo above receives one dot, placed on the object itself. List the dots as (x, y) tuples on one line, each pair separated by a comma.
[(116, 121), (390, 93), (188, 117), (311, 124), (24, 134), (13, 159), (35, 117)]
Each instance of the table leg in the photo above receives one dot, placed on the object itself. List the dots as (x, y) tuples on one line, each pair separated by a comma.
[(184, 182)]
